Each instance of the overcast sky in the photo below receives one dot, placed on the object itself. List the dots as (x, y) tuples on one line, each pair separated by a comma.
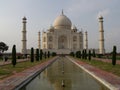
[(41, 14)]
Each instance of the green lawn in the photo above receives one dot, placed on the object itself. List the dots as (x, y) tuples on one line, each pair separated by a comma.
[(8, 70), (110, 57), (104, 66)]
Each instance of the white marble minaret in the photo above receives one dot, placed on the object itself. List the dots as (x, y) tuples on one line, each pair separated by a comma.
[(39, 41), (86, 41), (101, 36), (24, 39)]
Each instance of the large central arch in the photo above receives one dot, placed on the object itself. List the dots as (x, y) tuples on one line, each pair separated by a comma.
[(62, 42)]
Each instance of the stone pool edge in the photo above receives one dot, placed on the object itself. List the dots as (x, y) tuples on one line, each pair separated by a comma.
[(15, 82), (93, 74)]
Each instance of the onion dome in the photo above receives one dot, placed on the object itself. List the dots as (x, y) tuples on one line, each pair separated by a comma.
[(62, 22)]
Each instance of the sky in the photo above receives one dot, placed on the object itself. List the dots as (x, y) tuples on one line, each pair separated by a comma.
[(41, 14)]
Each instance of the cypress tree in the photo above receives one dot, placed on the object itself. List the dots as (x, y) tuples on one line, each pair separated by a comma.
[(72, 54), (114, 56), (94, 55), (14, 55), (48, 54), (79, 54), (41, 54), (54, 54), (89, 55), (37, 54), (83, 54), (76, 54), (45, 55), (32, 54)]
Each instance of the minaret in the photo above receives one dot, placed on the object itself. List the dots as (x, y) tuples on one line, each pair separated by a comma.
[(24, 40), (101, 37), (86, 41), (39, 46)]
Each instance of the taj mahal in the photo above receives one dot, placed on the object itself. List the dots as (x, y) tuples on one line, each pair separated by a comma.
[(63, 37)]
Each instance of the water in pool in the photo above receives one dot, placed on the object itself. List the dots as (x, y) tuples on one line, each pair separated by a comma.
[(64, 75)]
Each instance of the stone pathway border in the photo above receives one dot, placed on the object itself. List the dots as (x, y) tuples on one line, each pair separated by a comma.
[(109, 80), (15, 82)]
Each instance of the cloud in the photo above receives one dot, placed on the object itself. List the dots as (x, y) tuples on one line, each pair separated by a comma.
[(80, 6), (103, 13)]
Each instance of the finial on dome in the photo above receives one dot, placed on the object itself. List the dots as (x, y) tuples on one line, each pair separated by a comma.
[(62, 12)]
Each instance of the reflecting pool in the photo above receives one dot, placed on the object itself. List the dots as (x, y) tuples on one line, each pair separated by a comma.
[(64, 75)]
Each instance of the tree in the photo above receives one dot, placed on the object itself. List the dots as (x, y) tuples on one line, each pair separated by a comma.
[(48, 54), (77, 54), (45, 55), (89, 55), (32, 54), (114, 56), (3, 47), (83, 54), (37, 54), (94, 55), (41, 54), (72, 54), (14, 55), (80, 55), (54, 54)]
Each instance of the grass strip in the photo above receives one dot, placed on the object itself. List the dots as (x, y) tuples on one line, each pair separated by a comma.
[(104, 66), (8, 70)]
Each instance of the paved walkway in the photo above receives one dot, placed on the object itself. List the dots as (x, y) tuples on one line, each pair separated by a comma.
[(9, 61), (15, 81), (108, 79), (106, 60)]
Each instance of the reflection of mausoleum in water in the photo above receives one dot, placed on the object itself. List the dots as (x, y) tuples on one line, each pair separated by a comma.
[(62, 37)]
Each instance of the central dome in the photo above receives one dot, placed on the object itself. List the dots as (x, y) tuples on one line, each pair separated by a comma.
[(62, 22)]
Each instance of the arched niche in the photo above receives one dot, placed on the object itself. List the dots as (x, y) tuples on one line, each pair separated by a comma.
[(62, 42)]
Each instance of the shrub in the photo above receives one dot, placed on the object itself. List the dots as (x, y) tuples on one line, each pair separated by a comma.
[(37, 54), (45, 55), (41, 54), (48, 54), (77, 54), (94, 55), (72, 54), (54, 54), (89, 55), (32, 54), (83, 54), (80, 54), (14, 55), (99, 55), (114, 56)]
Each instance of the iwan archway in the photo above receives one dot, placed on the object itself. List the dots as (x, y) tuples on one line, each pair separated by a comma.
[(62, 42)]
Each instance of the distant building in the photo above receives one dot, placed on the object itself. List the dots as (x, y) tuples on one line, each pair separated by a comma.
[(24, 39), (63, 37), (101, 38)]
